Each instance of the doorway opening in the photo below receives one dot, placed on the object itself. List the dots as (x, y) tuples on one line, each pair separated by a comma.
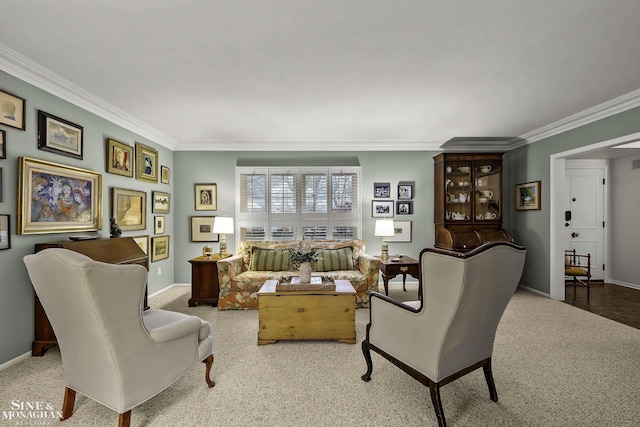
[(601, 150)]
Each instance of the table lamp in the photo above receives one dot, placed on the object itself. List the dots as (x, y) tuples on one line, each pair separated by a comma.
[(223, 225), (384, 229)]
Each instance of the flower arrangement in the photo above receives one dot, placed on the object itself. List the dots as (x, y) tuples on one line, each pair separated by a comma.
[(303, 253)]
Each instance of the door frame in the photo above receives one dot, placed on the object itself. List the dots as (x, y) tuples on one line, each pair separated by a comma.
[(557, 186)]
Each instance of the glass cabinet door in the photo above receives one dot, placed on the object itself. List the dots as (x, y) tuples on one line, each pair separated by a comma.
[(487, 192), (458, 183)]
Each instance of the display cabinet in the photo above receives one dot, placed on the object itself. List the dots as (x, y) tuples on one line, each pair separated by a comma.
[(468, 200)]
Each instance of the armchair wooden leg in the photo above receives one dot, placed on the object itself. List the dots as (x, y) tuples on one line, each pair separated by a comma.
[(208, 363), (124, 419), (488, 375), (68, 402), (434, 388), (366, 351)]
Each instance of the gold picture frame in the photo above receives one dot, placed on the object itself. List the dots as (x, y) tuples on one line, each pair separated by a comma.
[(119, 158), (206, 197), (12, 110), (161, 202), (55, 198), (528, 196), (164, 174), (146, 163), (129, 208), (158, 224), (159, 248)]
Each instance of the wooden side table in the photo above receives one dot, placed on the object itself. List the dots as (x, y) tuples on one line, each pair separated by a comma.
[(391, 268), (204, 280)]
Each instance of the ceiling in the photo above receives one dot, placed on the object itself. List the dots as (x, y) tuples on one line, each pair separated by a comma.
[(248, 75)]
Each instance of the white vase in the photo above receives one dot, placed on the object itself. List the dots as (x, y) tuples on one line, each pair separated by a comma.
[(305, 272)]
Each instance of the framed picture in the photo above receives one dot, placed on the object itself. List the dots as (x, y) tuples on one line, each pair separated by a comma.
[(1, 187), (146, 163), (404, 207), (12, 110), (206, 196), (3, 144), (143, 242), (119, 158), (382, 208), (5, 233), (54, 198), (402, 232), (382, 190), (202, 229), (159, 248), (129, 208), (158, 224), (528, 196), (405, 190), (164, 174), (59, 136), (161, 202)]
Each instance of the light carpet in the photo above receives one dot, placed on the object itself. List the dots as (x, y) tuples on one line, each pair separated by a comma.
[(554, 365)]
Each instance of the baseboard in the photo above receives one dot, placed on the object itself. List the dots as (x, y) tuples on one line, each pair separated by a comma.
[(625, 284), (15, 360), (155, 294), (535, 291)]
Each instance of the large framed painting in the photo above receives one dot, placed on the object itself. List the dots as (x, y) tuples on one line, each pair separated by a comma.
[(129, 208), (119, 158), (12, 110), (59, 135), (54, 198), (159, 248), (146, 163)]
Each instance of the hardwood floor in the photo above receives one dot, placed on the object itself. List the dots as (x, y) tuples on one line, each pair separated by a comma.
[(614, 302)]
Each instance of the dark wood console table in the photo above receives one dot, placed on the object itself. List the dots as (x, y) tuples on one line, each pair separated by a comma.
[(113, 251), (404, 266)]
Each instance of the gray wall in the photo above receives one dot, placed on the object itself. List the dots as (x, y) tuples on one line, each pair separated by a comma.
[(531, 163), (625, 227), (219, 168), (16, 293)]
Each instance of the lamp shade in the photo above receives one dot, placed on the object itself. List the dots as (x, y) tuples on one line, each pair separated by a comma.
[(384, 228), (223, 225)]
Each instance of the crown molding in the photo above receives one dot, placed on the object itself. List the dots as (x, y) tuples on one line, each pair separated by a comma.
[(367, 146), (606, 109), (31, 72)]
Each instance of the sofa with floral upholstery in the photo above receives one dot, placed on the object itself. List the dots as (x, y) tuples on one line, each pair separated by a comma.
[(241, 276)]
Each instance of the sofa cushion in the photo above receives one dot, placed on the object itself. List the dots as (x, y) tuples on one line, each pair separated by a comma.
[(269, 259), (334, 259)]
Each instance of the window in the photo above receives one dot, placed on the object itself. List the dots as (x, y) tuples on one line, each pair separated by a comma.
[(298, 203)]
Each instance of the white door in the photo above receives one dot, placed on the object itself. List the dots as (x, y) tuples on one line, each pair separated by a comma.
[(584, 224)]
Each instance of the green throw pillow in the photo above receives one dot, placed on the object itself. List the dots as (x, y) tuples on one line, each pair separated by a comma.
[(335, 259), (269, 259)]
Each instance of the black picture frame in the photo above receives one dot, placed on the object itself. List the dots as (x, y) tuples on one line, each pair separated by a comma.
[(382, 208), (5, 231), (59, 136), (3, 144), (404, 207), (405, 190), (382, 190)]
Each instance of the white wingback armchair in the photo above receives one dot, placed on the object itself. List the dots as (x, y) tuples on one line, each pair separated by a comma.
[(451, 330), (112, 351)]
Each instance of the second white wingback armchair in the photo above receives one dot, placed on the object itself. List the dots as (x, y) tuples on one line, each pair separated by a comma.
[(112, 351), (451, 331)]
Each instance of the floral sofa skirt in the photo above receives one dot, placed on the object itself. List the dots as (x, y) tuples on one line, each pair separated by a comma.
[(239, 285)]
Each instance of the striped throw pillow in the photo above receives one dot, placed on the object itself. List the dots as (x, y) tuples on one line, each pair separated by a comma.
[(335, 259), (269, 259)]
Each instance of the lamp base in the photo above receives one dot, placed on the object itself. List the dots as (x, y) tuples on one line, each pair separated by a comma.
[(223, 246), (384, 256)]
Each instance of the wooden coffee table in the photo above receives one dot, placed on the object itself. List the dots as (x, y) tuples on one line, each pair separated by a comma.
[(307, 315)]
